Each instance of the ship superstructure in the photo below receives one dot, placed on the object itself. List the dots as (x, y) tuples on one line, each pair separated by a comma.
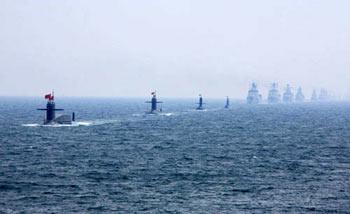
[(323, 95), (288, 95), (314, 97), (299, 97), (274, 95), (253, 95)]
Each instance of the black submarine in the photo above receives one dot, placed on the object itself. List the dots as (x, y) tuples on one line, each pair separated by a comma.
[(200, 103), (227, 102), (154, 103), (50, 118)]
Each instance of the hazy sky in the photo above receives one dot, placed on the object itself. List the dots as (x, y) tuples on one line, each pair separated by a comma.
[(178, 47)]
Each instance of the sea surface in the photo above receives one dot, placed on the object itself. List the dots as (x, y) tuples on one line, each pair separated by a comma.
[(116, 159)]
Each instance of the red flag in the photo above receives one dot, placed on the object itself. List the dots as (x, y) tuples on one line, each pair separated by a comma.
[(48, 96)]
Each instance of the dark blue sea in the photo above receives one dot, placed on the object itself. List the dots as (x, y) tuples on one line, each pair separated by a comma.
[(115, 159)]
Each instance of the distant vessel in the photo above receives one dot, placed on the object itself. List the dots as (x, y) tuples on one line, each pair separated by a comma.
[(274, 95), (288, 95), (227, 102), (314, 97), (253, 95), (323, 95), (200, 103), (154, 103), (299, 97), (51, 109)]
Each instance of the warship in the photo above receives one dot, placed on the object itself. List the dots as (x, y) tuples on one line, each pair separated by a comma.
[(299, 97), (154, 102), (323, 96), (200, 103), (227, 105), (274, 95), (50, 117), (253, 95), (314, 96), (288, 95)]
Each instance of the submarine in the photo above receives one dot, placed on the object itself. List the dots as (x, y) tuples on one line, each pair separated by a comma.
[(50, 117), (200, 103), (227, 105), (154, 103)]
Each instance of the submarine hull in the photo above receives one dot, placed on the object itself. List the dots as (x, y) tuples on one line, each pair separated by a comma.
[(62, 119), (153, 112)]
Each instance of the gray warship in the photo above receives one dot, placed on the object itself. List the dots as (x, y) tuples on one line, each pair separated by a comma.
[(323, 96), (288, 95), (314, 97), (299, 97), (253, 95), (274, 95)]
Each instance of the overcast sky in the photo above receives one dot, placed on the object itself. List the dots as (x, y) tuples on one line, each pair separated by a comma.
[(177, 47)]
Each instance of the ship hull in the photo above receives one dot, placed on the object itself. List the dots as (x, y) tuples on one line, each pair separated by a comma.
[(62, 119)]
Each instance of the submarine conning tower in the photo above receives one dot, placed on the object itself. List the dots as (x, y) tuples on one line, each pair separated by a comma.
[(50, 108), (154, 102), (200, 103), (227, 102)]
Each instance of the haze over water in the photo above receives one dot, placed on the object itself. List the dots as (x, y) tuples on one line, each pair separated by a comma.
[(129, 48), (282, 158)]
